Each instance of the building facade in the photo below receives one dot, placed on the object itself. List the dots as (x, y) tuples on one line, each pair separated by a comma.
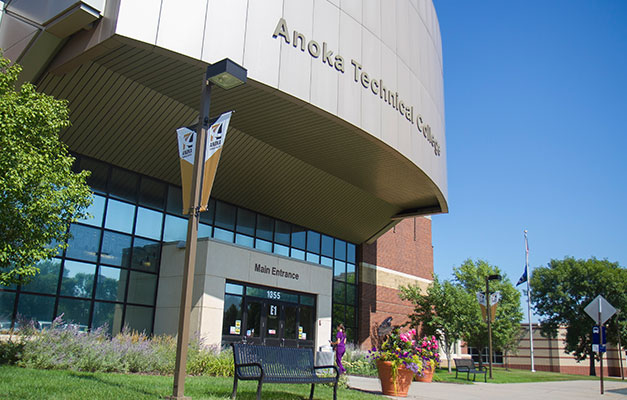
[(549, 354), (335, 158)]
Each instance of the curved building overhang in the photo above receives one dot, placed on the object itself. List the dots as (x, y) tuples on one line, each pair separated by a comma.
[(284, 156)]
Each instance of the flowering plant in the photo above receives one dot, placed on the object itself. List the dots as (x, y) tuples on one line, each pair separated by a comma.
[(400, 349), (428, 350)]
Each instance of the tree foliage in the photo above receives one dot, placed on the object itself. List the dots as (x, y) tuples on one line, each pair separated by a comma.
[(40, 195), (561, 291), (441, 311), (471, 275)]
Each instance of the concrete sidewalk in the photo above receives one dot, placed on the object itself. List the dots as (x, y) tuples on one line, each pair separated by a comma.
[(565, 390)]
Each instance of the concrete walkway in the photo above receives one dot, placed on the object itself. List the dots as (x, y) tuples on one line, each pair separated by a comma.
[(565, 390)]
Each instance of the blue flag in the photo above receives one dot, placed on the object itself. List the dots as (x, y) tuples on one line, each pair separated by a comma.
[(523, 278)]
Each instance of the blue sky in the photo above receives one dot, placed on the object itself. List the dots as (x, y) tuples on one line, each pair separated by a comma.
[(536, 115)]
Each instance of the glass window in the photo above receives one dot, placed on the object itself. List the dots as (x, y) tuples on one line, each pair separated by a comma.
[(151, 193), (265, 227), (7, 301), (245, 222), (234, 288), (111, 284), (314, 258), (307, 300), (339, 292), (327, 262), (175, 200), (351, 253), (297, 254), (282, 232), (120, 216), (327, 246), (253, 319), (263, 245), (78, 279), (75, 312), (232, 323), (339, 270), (244, 240), (290, 327), (281, 250), (123, 184), (48, 278), (351, 294), (307, 321), (175, 229), (146, 255), (225, 215), (222, 234), (84, 243), (339, 314), (207, 216), (313, 242), (108, 314), (350, 316), (350, 273), (204, 231), (139, 319), (142, 288), (96, 212), (149, 223), (299, 236), (116, 249), (340, 249), (32, 307), (97, 180)]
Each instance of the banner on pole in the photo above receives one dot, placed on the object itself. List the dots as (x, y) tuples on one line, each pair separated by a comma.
[(216, 135)]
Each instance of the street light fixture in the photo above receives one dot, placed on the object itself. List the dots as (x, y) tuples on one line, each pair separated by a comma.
[(227, 75), (494, 277)]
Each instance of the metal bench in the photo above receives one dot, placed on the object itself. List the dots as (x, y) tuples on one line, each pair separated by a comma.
[(267, 364), (467, 365)]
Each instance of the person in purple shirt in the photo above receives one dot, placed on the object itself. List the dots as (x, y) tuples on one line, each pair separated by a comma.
[(340, 347)]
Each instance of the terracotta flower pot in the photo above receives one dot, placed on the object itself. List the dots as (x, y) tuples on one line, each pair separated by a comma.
[(426, 377), (394, 387)]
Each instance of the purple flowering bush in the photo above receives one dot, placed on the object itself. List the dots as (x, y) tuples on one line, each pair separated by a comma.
[(65, 346)]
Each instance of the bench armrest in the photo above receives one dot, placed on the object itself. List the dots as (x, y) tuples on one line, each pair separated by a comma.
[(337, 371), (258, 365)]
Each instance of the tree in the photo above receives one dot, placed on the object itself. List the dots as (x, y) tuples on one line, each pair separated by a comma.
[(40, 195), (471, 276), (561, 291), (442, 311)]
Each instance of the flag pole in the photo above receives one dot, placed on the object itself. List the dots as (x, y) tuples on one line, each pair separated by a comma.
[(533, 369)]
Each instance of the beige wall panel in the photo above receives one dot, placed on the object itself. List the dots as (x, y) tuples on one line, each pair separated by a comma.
[(182, 26), (324, 91), (224, 36)]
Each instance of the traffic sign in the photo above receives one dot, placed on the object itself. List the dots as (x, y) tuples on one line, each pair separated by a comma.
[(598, 340), (599, 307)]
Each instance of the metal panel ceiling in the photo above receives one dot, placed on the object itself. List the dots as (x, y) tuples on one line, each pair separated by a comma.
[(284, 157)]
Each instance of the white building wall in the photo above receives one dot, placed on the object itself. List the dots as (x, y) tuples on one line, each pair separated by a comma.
[(397, 42)]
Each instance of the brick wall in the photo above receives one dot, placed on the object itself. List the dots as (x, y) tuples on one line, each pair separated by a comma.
[(406, 249)]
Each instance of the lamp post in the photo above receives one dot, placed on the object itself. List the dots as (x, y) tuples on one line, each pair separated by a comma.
[(489, 278), (226, 74)]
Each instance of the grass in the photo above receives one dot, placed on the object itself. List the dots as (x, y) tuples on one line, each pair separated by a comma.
[(501, 375), (23, 383)]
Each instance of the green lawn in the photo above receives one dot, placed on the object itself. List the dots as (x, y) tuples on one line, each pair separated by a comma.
[(500, 375), (22, 383)]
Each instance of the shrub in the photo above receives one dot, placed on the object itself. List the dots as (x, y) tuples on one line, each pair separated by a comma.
[(64, 346)]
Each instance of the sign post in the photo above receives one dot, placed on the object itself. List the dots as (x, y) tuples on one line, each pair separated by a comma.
[(600, 311)]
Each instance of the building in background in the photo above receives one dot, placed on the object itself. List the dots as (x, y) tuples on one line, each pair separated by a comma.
[(550, 355), (335, 158)]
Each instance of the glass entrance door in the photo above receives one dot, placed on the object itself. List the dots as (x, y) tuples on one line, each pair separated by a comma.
[(267, 316)]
